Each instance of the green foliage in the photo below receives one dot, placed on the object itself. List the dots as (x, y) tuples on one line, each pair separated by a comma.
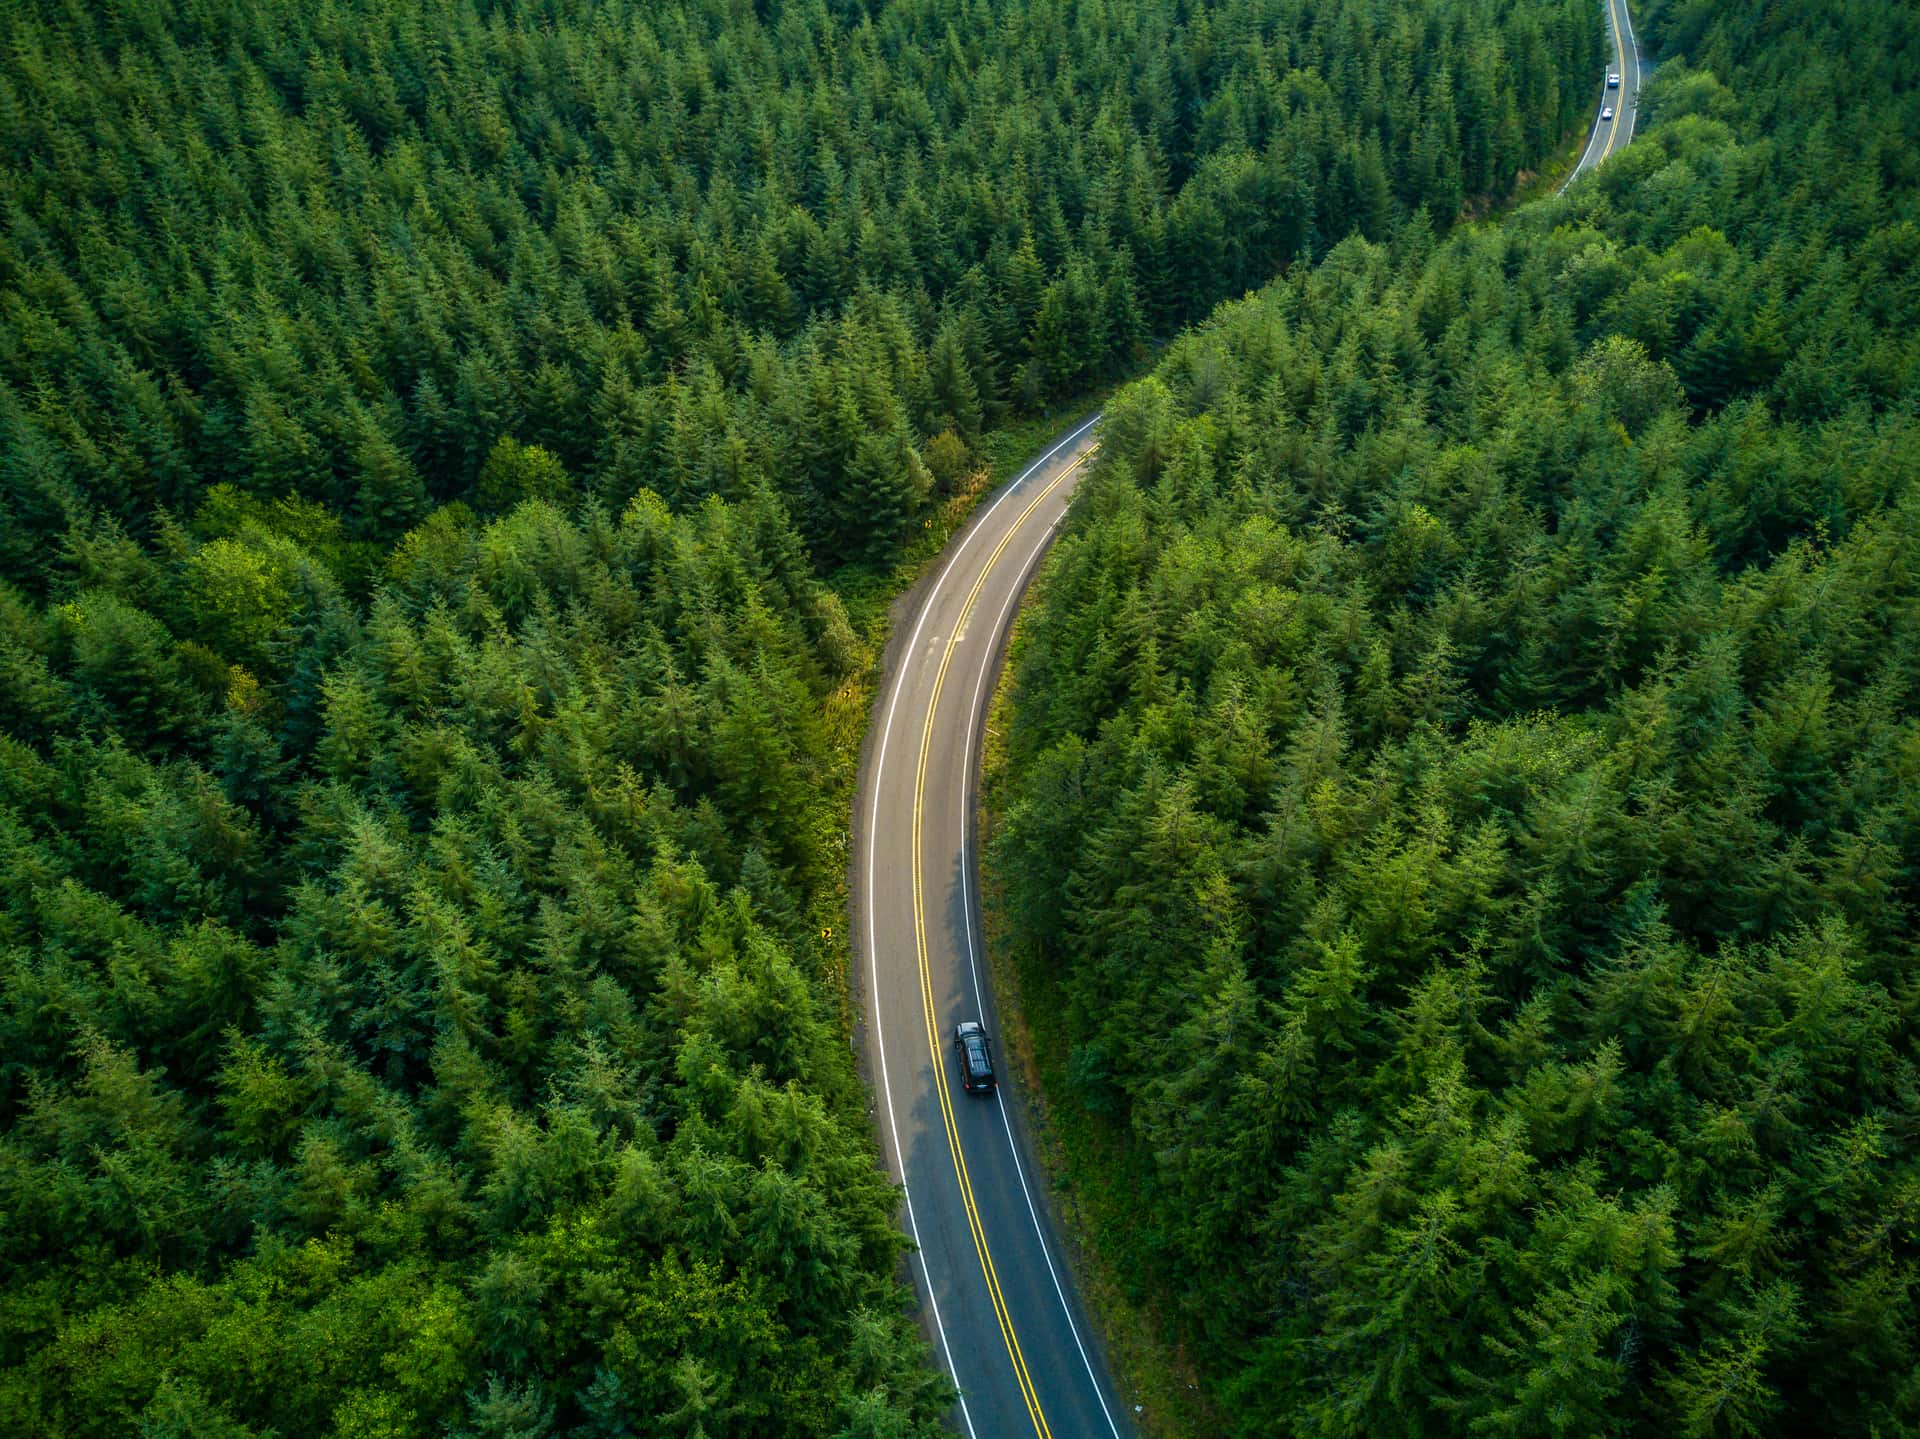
[(697, 248), (423, 430), (419, 1027), (1463, 769)]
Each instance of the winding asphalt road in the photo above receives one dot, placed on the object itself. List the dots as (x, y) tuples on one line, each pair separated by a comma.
[(1616, 132), (999, 1303), (998, 1299)]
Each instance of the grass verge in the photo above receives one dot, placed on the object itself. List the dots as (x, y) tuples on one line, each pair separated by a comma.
[(868, 593), (1083, 1155)]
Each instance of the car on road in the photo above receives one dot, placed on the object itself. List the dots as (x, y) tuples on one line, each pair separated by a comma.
[(1613, 82), (1606, 112), (976, 1057)]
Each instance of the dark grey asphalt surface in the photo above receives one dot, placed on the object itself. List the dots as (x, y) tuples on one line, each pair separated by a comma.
[(1609, 136), (998, 1302), (997, 1297)]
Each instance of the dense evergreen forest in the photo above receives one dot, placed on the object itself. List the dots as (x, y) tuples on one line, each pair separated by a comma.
[(1465, 789), (701, 249), (424, 432)]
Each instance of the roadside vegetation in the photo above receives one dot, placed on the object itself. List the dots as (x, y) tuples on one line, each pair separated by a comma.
[(1463, 770), (454, 459)]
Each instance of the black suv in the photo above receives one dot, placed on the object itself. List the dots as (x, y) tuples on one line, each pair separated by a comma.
[(976, 1059)]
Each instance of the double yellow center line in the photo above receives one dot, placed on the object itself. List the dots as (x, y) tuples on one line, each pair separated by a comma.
[(1000, 1311), (1620, 49)]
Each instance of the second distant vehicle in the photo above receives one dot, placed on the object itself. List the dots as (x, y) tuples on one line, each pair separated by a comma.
[(976, 1058), (1613, 82)]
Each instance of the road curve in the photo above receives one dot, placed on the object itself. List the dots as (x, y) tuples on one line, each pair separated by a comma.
[(998, 1300), (1614, 133)]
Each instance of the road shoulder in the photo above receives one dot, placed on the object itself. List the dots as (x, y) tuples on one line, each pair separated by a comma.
[(1076, 1161)]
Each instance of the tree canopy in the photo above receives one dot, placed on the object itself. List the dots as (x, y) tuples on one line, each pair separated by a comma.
[(696, 248)]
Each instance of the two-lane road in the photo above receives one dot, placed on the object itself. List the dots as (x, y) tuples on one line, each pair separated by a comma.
[(999, 1301), (1614, 132)]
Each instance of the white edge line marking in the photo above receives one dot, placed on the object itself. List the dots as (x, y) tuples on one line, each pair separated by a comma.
[(1630, 48), (1620, 44), (968, 908), (873, 946), (966, 869)]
